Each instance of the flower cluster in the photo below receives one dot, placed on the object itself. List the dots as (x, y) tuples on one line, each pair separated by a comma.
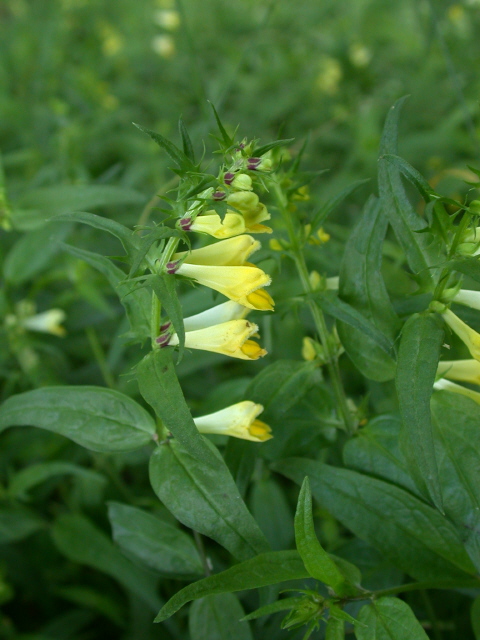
[(224, 267)]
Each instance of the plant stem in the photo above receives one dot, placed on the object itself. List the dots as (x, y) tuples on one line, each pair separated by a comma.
[(419, 586), (437, 634), (201, 551), (100, 357), (317, 313), (156, 311)]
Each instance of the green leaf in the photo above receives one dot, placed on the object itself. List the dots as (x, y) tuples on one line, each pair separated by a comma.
[(456, 422), (180, 159), (164, 286), (136, 300), (412, 535), (363, 288), (418, 356), (280, 386), (80, 541), (316, 560), (205, 498), (227, 140), (158, 384), (218, 617), (17, 523), (146, 242), (412, 175), (389, 619), (93, 599), (475, 617), (127, 237), (469, 266), (335, 630), (280, 605), (322, 214), (375, 450), (186, 142), (420, 249), (35, 474), (272, 512), (33, 252), (96, 418), (155, 543), (261, 571), (260, 151), (331, 304)]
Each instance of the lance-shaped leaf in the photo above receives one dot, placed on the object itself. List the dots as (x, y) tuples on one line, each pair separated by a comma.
[(261, 571), (418, 356), (316, 560), (363, 288), (154, 542), (159, 386), (335, 629), (322, 214), (180, 159), (96, 418), (260, 151), (340, 310), (420, 249), (218, 617), (128, 239), (186, 141), (389, 619), (35, 474), (204, 497), (136, 300), (412, 535)]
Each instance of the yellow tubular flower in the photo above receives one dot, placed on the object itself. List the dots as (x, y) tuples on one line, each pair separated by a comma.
[(252, 210), (231, 252), (446, 385), (468, 298), (229, 338), (463, 370), (238, 420), (216, 315), (211, 223), (468, 335)]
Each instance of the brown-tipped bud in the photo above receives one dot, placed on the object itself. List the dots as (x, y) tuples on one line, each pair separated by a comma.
[(171, 267), (253, 163), (219, 195), (185, 224), (228, 177), (165, 326), (163, 340)]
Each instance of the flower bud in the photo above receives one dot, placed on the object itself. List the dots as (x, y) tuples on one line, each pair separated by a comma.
[(228, 177), (242, 182)]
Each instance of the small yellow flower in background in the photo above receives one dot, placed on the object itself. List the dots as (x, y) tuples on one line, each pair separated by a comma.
[(232, 252), (233, 224), (167, 19), (46, 322), (309, 351), (359, 55), (112, 40), (462, 370), (164, 46), (315, 280), (319, 238), (468, 335), (275, 245), (446, 385), (333, 282), (229, 338), (216, 315), (238, 420), (302, 193), (253, 211), (329, 75)]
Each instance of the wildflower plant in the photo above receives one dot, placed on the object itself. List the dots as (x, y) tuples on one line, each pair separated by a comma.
[(394, 467)]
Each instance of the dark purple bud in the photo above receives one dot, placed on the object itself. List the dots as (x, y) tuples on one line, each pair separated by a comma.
[(165, 326), (171, 267), (252, 163), (240, 147), (186, 223), (228, 177), (163, 341), (219, 195)]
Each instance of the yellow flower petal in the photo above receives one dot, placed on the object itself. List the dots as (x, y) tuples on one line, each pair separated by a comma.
[(259, 300), (232, 252), (211, 223), (463, 370), (216, 315), (468, 335), (260, 430)]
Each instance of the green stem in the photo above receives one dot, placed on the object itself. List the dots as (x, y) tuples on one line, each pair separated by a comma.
[(317, 313), (100, 357), (437, 634), (156, 311), (419, 586)]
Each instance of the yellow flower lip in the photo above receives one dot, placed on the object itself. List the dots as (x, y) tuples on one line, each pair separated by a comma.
[(238, 420), (230, 252), (212, 224)]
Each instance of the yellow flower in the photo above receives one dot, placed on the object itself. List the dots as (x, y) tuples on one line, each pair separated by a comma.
[(238, 420), (46, 322), (211, 223), (221, 267), (463, 370), (232, 252), (468, 298), (308, 349), (468, 335), (252, 210), (446, 385), (230, 338), (216, 315)]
